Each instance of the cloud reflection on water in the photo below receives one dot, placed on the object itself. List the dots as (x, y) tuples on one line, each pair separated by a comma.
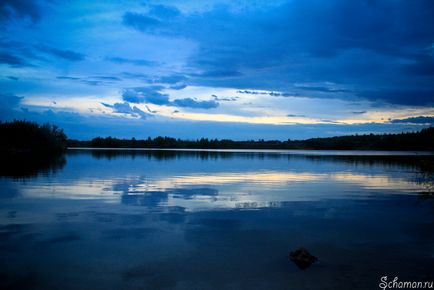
[(223, 190)]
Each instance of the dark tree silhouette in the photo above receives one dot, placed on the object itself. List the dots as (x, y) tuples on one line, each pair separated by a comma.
[(422, 140), (27, 148), (19, 137)]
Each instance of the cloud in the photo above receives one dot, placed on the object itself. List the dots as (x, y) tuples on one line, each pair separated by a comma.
[(367, 54), (91, 80), (156, 16), (151, 95), (139, 21), (107, 78), (136, 75), (93, 125), (12, 60), (415, 120), (68, 78), (231, 99), (125, 108), (359, 112), (9, 101), (65, 54), (151, 111), (10, 9), (330, 121), (139, 62), (24, 54), (221, 73), (402, 96), (324, 89), (191, 103), (164, 11), (171, 79), (273, 94), (252, 92), (423, 65), (178, 87), (361, 43), (280, 94)]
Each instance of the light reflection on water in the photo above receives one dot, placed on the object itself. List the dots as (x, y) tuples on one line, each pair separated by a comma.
[(216, 220)]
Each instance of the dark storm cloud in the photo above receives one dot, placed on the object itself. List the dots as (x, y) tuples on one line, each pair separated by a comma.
[(361, 43), (402, 96), (423, 65), (414, 120)]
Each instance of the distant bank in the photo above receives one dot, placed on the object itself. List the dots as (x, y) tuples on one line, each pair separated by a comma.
[(20, 138), (416, 141)]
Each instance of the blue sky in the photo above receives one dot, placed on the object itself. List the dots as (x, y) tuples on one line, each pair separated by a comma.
[(218, 69)]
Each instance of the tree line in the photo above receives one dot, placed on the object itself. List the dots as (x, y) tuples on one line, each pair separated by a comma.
[(422, 140), (21, 137)]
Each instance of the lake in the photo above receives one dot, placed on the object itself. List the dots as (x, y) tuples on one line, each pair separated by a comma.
[(171, 219)]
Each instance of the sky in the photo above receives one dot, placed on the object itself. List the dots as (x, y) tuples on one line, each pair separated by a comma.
[(218, 69)]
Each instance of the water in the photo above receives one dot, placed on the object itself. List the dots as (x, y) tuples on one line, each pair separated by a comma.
[(110, 219)]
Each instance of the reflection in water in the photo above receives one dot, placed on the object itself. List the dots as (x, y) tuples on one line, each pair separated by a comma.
[(28, 165), (227, 190), (216, 220)]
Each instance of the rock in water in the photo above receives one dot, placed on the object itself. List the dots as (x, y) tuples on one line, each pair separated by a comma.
[(302, 258)]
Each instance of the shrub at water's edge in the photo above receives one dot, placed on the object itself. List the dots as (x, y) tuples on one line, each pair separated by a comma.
[(27, 148), (24, 137)]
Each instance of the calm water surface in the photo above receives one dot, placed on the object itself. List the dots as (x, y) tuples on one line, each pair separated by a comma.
[(110, 219)]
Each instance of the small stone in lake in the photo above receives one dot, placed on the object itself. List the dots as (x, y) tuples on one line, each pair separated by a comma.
[(302, 258)]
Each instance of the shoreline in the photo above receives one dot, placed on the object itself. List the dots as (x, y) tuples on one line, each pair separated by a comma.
[(275, 151)]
